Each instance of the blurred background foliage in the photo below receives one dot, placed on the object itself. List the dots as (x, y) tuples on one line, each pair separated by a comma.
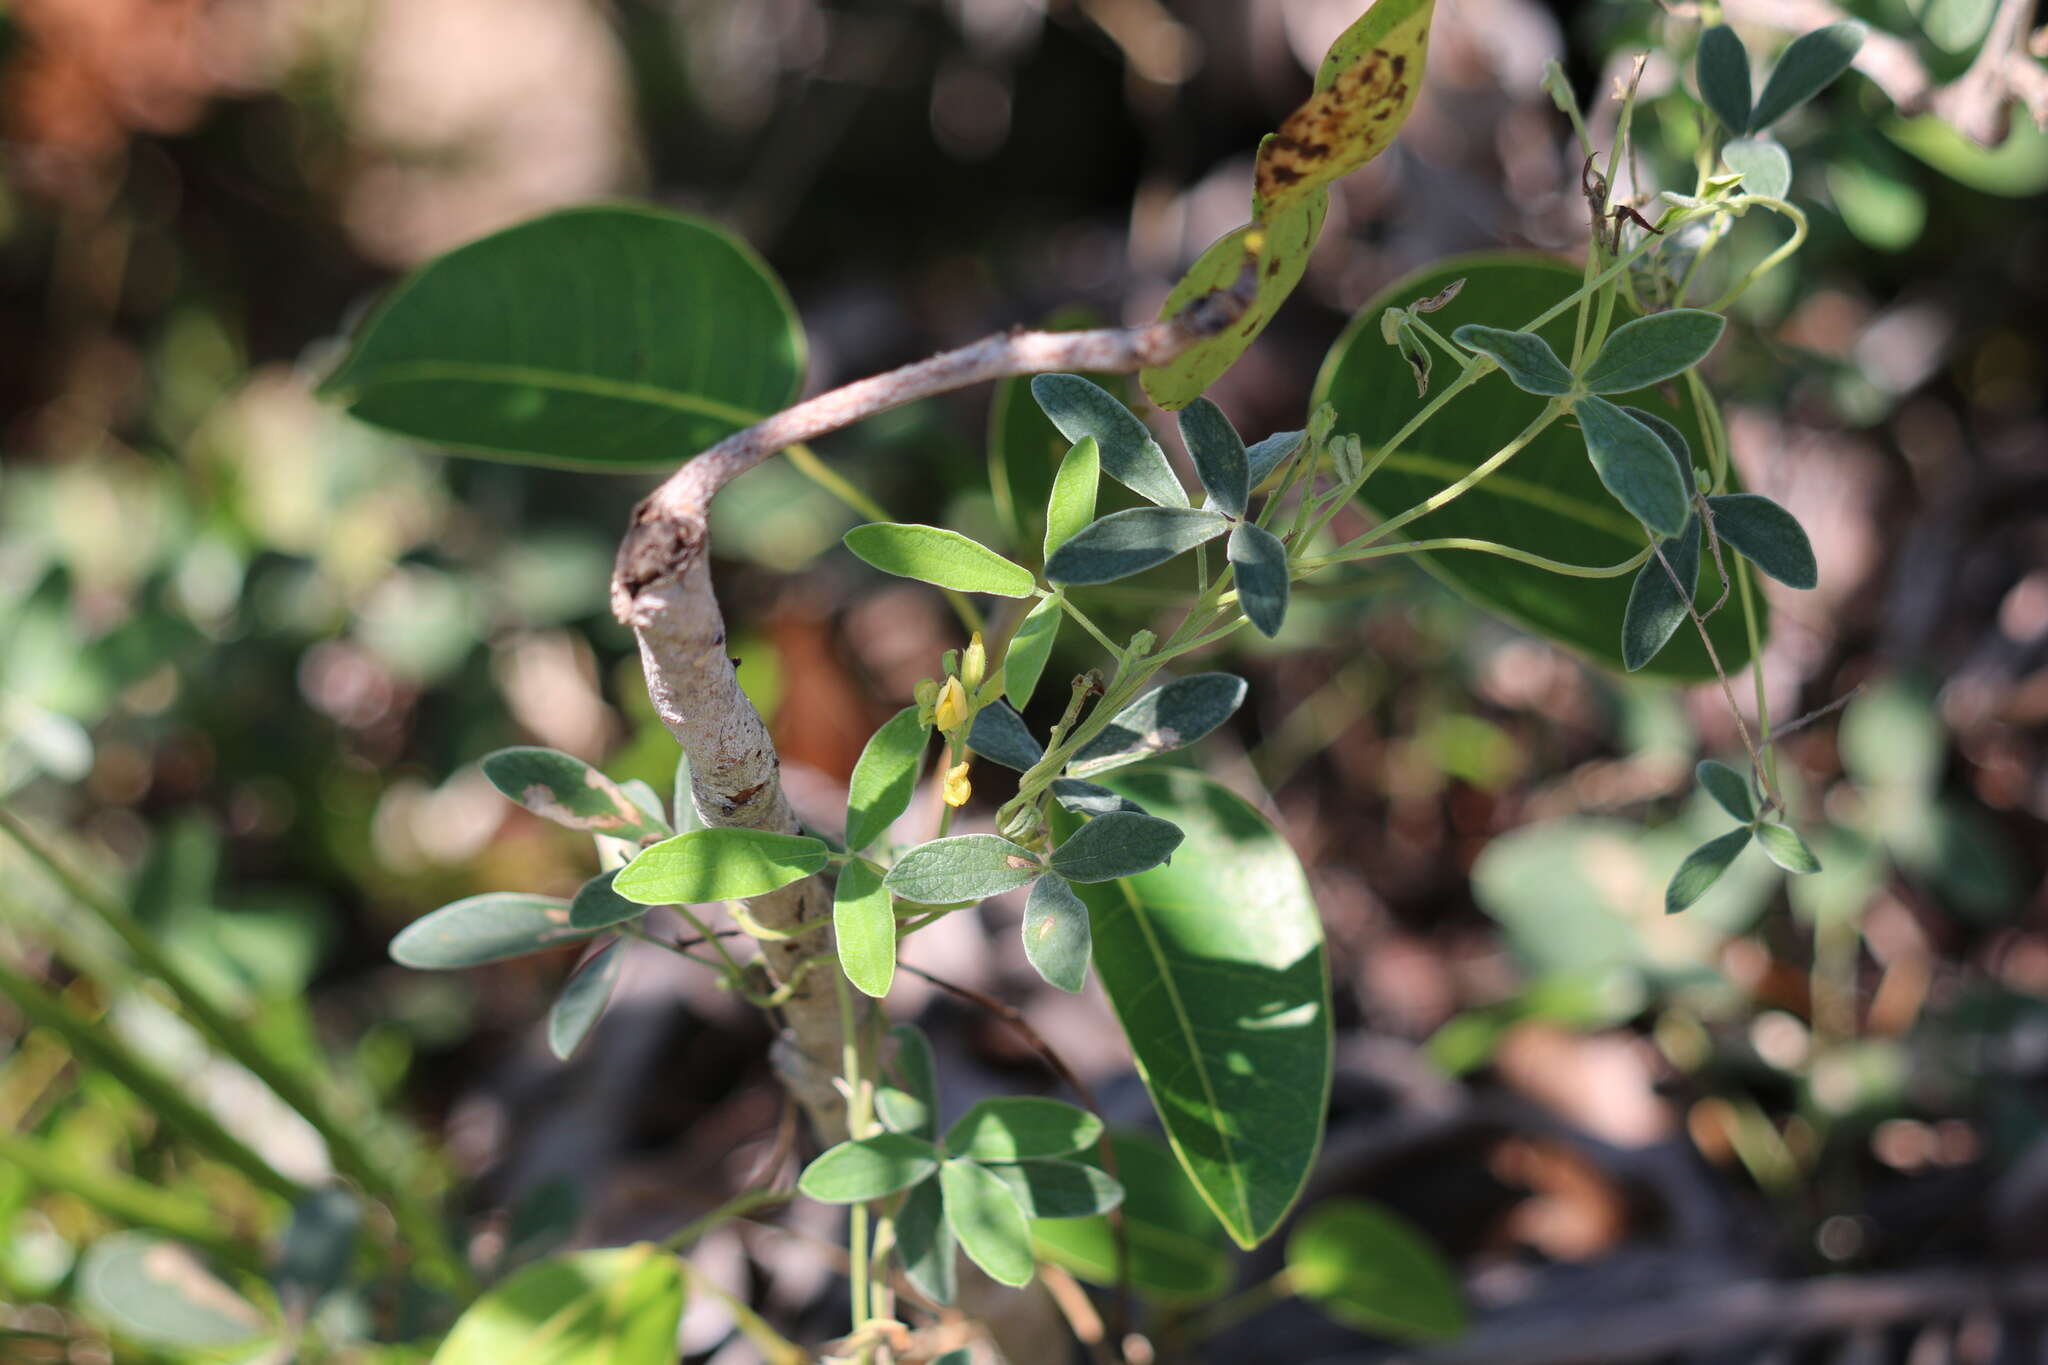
[(249, 651)]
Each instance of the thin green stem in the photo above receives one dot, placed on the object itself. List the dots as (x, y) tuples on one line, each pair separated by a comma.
[(739, 1206), (1410, 547), (1101, 638), (136, 1203), (1450, 493)]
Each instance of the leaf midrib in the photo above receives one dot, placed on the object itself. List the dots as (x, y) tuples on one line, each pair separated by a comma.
[(565, 381), (1520, 490)]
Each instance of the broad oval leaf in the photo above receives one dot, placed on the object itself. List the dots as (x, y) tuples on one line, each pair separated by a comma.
[(597, 906), (933, 554), (1176, 1245), (1370, 1269), (1635, 465), (1125, 447), (1782, 844), (1364, 88), (1056, 940), (1547, 501), (606, 337), (159, 1293), (719, 864), (1729, 788), (487, 928), (988, 1222), (1723, 71), (1763, 164), (1264, 580), (1071, 504), (1058, 1189), (1000, 735), (1113, 846), (582, 999), (907, 1101), (568, 791), (1218, 452), (617, 1307), (1653, 349), (925, 1244), (868, 1168), (1030, 647), (884, 778), (1132, 541), (1164, 719), (1701, 869), (1020, 1129), (1215, 966), (1276, 253), (1810, 65), (1767, 536), (1657, 605), (1525, 358), (1089, 798), (966, 867), (864, 923)]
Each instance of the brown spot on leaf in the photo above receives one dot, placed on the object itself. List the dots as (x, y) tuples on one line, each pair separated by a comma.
[(1019, 863)]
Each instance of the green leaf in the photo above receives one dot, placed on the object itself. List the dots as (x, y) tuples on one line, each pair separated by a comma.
[(1525, 358), (1071, 504), (1364, 89), (569, 792), (486, 928), (1634, 464), (988, 1222), (1000, 735), (1372, 1270), (1030, 647), (1955, 26), (1164, 719), (933, 554), (884, 778), (1809, 66), (319, 1243), (1215, 967), (1126, 449), (1056, 940), (1024, 448), (593, 338), (868, 1168), (719, 864), (617, 1307), (1653, 349), (908, 1099), (864, 922), (1088, 798), (582, 999), (1762, 163), (1276, 253), (925, 1243), (1265, 457), (1176, 1245), (1782, 844), (1730, 789), (1723, 70), (1701, 869), (1021, 1129), (1767, 536), (1421, 360), (597, 906), (1656, 605), (159, 1293), (1132, 541), (1263, 577), (966, 867), (1058, 1189), (1113, 846), (1219, 456), (1548, 501)]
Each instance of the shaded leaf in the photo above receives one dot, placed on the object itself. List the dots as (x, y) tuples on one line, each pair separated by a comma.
[(925, 1243), (1723, 71), (1525, 358), (1653, 349), (868, 1168), (1729, 788), (966, 867), (1166, 718), (1030, 647), (1000, 735), (1364, 88), (1020, 1129), (1372, 1270), (1767, 536), (1656, 605), (1634, 464), (1176, 1245), (1071, 504), (1782, 844), (908, 1099), (719, 864), (1113, 846), (988, 1222), (158, 1292), (1219, 456), (864, 923), (617, 1307), (1810, 65), (1263, 577), (884, 778), (1762, 163), (1058, 1189), (1265, 457), (592, 338), (1125, 447), (1132, 541), (933, 554), (487, 928), (1089, 798), (319, 1243), (598, 906), (568, 791), (1701, 869), (1056, 938), (582, 999)]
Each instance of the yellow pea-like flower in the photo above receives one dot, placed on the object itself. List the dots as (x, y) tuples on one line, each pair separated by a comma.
[(951, 712), (958, 788)]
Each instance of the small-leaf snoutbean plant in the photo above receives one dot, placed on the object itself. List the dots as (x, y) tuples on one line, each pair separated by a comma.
[(1560, 461)]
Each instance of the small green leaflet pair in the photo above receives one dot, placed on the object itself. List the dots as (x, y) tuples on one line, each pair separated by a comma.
[(1083, 551), (1812, 63), (1705, 864), (977, 1189)]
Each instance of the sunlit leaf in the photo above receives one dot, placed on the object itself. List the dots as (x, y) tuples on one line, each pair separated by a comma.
[(884, 778), (618, 1307), (1030, 647), (933, 554), (1785, 848), (1058, 1189), (1113, 846), (1056, 937), (1071, 505), (719, 864), (160, 1293), (864, 923), (1176, 1245), (1372, 1270), (988, 1222), (868, 1168), (1019, 1129), (966, 867)]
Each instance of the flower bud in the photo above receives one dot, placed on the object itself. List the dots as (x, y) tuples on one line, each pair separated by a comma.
[(927, 695), (951, 711), (958, 788), (974, 663)]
